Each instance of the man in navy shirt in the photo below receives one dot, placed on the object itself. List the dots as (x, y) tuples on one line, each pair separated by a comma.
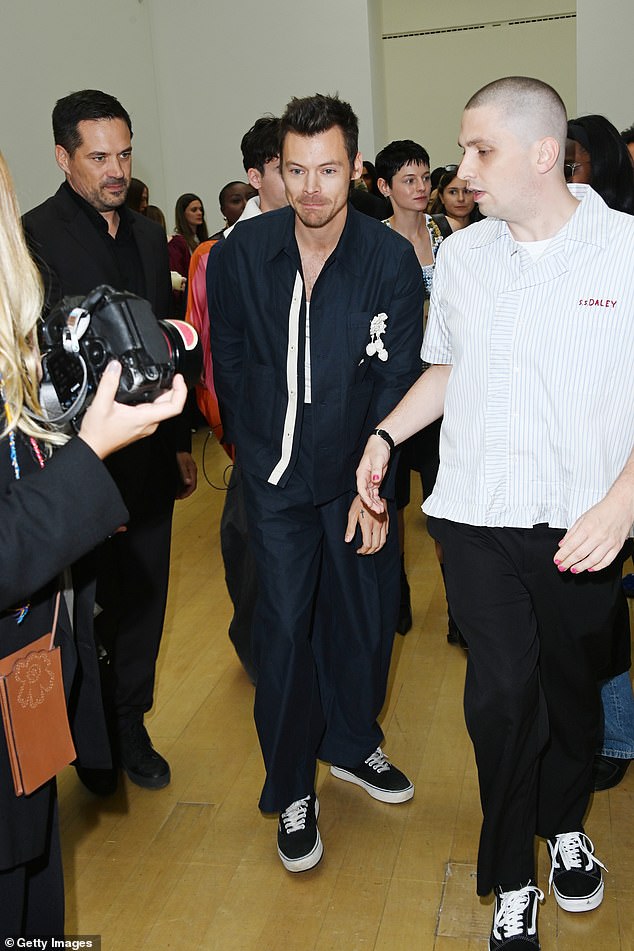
[(315, 334)]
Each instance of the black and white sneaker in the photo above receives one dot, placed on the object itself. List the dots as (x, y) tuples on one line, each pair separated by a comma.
[(515, 920), (298, 843), (575, 874), (378, 777)]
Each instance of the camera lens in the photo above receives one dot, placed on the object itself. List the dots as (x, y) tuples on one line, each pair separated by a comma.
[(185, 349)]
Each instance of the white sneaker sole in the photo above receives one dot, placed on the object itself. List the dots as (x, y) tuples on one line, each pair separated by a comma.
[(383, 795), (587, 903), (305, 862)]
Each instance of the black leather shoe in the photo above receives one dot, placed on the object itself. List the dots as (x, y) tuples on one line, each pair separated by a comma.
[(139, 760), (608, 771), (100, 782)]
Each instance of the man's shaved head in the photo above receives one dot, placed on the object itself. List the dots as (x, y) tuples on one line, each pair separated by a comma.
[(531, 108)]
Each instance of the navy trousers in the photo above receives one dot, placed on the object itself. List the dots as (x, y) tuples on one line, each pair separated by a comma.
[(323, 632), (538, 641)]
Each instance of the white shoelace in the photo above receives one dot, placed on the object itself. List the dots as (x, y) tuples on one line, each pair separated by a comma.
[(294, 818), (509, 918), (575, 850), (378, 761)]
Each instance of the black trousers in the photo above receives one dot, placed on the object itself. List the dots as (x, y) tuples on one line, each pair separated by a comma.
[(240, 571), (538, 641), (322, 637), (132, 581), (32, 894)]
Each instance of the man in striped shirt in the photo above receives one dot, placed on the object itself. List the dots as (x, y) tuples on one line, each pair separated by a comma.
[(531, 341)]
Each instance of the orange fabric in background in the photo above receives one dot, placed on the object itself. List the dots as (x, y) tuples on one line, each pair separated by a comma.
[(197, 315)]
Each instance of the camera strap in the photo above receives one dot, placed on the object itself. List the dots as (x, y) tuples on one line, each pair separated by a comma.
[(76, 327), (50, 403)]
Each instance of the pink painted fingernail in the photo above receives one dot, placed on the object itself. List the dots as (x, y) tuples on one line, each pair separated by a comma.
[(560, 568), (375, 478), (557, 561), (574, 571)]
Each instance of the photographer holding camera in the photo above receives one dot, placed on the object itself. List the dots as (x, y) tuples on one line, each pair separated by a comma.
[(56, 506), (81, 237)]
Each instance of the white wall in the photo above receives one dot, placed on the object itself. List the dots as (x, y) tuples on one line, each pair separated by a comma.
[(194, 76), (50, 49), (219, 66), (605, 62), (456, 48)]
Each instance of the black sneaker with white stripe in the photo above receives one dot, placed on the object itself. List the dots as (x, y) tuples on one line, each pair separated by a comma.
[(298, 842), (378, 777), (575, 874), (515, 920)]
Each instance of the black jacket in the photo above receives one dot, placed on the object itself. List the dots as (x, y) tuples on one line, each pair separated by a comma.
[(73, 258), (258, 332), (48, 519)]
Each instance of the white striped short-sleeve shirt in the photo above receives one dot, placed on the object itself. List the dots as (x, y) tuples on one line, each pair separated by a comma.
[(539, 416)]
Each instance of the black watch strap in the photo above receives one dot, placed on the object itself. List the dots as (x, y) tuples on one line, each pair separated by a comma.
[(386, 436)]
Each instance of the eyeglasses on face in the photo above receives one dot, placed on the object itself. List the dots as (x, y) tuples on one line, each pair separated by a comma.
[(570, 168)]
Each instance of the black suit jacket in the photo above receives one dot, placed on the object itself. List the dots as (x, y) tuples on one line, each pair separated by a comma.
[(73, 259)]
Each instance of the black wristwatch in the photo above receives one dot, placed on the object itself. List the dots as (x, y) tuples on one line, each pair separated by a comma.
[(384, 435)]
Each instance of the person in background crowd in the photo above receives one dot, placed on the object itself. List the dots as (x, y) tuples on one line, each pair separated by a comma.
[(138, 196), (628, 137), (453, 207), (261, 161), (403, 178), (597, 155), (368, 177), (232, 200), (154, 213), (189, 230)]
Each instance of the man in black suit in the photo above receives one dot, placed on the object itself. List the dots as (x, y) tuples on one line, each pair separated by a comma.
[(81, 237)]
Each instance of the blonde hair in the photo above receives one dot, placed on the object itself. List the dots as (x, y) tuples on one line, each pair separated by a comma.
[(21, 298)]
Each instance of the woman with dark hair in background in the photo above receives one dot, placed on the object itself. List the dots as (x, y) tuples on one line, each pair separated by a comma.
[(154, 213), (402, 169), (190, 229), (138, 196), (45, 525), (597, 155), (366, 197), (453, 207), (368, 176), (232, 200)]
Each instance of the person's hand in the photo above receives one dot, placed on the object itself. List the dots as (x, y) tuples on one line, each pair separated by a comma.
[(371, 472), (108, 425), (374, 527), (188, 474), (178, 282), (596, 538)]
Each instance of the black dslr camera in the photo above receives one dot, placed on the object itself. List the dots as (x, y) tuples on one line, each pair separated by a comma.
[(82, 335)]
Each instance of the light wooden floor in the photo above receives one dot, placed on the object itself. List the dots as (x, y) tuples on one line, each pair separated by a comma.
[(195, 865)]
